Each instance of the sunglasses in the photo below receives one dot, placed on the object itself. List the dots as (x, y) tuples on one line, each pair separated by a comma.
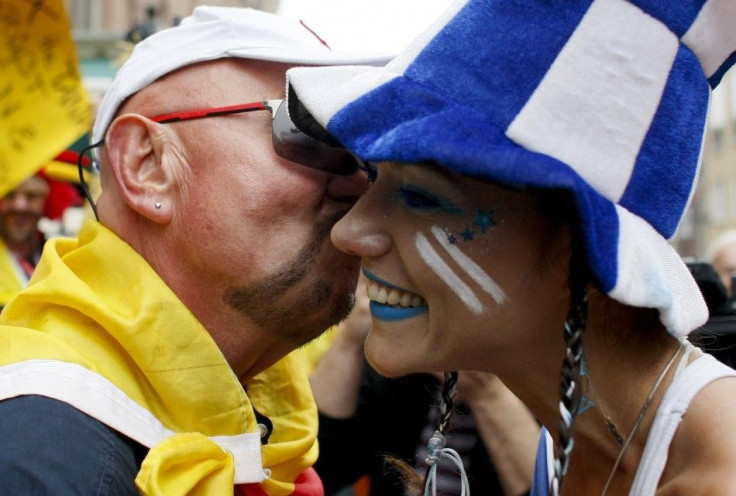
[(288, 141)]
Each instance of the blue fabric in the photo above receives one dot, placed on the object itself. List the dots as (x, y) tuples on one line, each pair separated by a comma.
[(678, 15), (668, 149), (462, 48), (540, 481), (50, 448), (601, 232), (715, 79)]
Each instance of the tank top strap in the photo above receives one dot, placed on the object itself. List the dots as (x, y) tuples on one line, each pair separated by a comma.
[(689, 380)]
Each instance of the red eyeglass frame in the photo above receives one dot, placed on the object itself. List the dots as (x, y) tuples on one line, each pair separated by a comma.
[(289, 142), (186, 115)]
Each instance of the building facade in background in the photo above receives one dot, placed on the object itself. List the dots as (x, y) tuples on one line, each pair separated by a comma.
[(713, 207), (102, 29)]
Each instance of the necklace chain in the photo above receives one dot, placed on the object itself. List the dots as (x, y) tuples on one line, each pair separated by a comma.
[(640, 417), (610, 426)]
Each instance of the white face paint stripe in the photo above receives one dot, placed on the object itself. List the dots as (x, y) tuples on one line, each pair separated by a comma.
[(475, 272), (432, 258)]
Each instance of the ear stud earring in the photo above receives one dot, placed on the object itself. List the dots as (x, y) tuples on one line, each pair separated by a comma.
[(157, 205)]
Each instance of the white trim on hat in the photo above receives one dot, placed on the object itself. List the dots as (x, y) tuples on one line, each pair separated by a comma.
[(347, 83), (644, 255)]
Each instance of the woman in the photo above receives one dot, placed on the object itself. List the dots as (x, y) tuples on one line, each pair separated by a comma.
[(530, 160)]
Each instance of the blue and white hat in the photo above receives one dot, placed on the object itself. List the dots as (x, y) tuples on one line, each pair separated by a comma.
[(606, 98)]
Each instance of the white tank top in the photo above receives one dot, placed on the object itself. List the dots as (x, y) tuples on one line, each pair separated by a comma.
[(689, 380)]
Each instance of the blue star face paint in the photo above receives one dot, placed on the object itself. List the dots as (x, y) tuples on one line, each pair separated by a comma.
[(480, 225), (484, 220), (467, 234)]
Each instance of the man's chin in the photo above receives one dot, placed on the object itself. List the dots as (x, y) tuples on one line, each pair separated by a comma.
[(327, 316)]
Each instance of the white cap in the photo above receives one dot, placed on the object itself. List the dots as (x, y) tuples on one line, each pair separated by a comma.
[(219, 32)]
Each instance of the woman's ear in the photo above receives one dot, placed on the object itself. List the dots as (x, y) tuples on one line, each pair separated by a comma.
[(135, 147)]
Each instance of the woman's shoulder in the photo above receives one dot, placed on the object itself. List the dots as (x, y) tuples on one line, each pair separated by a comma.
[(708, 422), (703, 451)]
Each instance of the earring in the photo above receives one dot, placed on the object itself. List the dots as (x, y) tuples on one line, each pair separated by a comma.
[(157, 205)]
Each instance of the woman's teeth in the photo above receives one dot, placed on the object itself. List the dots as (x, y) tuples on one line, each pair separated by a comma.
[(393, 296)]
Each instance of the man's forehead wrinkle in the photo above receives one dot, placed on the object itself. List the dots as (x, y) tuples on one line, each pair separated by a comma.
[(168, 90)]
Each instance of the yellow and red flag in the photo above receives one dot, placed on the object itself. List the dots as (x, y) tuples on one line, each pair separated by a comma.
[(43, 106)]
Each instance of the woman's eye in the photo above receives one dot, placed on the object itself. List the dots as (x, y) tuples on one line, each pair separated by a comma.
[(419, 200), (370, 172)]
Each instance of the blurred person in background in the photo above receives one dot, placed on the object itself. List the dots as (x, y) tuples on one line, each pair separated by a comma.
[(45, 195), (722, 256)]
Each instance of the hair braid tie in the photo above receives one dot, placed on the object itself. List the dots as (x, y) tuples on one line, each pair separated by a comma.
[(436, 444)]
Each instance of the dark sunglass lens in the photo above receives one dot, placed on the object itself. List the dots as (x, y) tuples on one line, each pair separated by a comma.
[(292, 144), (349, 164)]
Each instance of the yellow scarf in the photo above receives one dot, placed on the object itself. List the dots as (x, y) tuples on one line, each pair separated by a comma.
[(95, 305), (10, 284)]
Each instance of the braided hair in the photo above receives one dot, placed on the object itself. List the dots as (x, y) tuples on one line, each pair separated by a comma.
[(447, 399), (414, 483), (570, 380)]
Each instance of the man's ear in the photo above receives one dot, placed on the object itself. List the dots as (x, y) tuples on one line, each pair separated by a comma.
[(135, 147)]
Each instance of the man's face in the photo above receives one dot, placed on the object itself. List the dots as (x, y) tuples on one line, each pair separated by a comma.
[(724, 263), (20, 211), (255, 227)]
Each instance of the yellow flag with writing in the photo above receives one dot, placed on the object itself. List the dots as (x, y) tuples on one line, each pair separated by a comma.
[(43, 106)]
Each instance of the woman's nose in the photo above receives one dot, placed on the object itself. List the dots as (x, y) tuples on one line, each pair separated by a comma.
[(359, 232)]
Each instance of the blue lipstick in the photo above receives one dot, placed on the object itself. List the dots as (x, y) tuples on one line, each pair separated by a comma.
[(389, 313), (392, 314), (373, 277)]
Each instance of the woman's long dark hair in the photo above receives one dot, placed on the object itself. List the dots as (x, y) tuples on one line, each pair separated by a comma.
[(570, 381), (413, 482), (559, 205)]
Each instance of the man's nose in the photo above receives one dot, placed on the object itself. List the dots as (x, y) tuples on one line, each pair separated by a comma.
[(16, 201)]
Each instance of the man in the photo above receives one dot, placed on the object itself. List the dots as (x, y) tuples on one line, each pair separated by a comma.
[(151, 348), (722, 254), (21, 241), (44, 194)]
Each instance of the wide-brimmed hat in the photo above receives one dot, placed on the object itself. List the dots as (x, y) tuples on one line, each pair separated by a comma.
[(212, 33), (605, 98)]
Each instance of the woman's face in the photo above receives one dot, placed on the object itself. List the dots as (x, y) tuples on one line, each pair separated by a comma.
[(462, 274)]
